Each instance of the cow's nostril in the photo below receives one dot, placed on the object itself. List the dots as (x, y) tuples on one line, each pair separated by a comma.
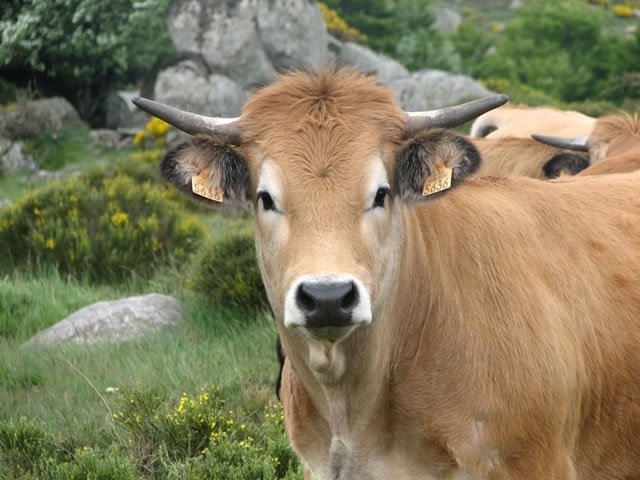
[(350, 299), (304, 300)]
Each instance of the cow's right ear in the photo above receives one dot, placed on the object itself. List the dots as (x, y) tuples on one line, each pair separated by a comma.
[(208, 170)]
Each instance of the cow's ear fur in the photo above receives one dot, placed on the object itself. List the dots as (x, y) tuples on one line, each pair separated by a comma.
[(565, 162), (421, 155), (224, 166)]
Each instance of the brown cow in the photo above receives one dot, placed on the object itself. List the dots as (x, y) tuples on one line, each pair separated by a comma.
[(521, 121), (613, 146), (487, 330), (525, 157)]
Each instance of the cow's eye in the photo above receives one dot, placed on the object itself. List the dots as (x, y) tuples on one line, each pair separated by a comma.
[(267, 201), (381, 194)]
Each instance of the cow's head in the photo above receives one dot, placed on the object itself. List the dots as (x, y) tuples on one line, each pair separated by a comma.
[(329, 163), (612, 135)]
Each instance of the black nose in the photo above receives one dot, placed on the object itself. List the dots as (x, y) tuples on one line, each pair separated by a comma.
[(327, 304)]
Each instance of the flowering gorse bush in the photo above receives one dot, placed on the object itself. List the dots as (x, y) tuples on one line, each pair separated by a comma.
[(151, 142), (623, 10), (104, 228), (200, 437), (336, 25), (155, 437)]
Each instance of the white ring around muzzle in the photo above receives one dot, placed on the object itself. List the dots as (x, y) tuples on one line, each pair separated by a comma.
[(293, 316)]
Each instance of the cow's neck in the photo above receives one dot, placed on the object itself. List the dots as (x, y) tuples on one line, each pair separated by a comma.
[(349, 381), (347, 401)]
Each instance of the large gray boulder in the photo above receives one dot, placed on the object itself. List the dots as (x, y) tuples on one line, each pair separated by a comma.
[(13, 158), (122, 113), (224, 33), (293, 34), (249, 40), (368, 61), (189, 86), (117, 320), (33, 118), (431, 89)]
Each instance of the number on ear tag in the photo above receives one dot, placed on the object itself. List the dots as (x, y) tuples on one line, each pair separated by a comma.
[(201, 185), (439, 181)]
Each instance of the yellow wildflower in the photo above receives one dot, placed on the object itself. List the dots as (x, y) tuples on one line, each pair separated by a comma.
[(157, 127), (139, 138), (337, 26), (50, 243), (36, 212), (496, 27), (623, 11), (119, 218)]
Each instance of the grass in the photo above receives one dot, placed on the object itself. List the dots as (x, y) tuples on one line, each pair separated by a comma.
[(64, 388), (54, 149)]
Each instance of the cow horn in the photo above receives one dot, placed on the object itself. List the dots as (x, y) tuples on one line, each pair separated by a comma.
[(580, 144), (452, 116), (192, 123)]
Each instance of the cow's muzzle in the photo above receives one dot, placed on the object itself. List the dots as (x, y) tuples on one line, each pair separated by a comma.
[(327, 305)]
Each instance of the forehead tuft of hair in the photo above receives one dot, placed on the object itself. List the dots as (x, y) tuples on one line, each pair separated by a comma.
[(330, 98), (609, 127)]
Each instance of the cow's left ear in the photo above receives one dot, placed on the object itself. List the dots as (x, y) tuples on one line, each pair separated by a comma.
[(564, 163), (433, 162), (209, 171)]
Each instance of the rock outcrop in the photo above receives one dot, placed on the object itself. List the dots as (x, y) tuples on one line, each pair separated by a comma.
[(113, 321), (249, 40), (13, 158), (31, 119), (122, 113), (431, 89), (189, 86), (227, 48), (368, 61)]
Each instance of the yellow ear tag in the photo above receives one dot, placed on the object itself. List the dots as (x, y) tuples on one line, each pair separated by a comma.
[(201, 185), (439, 181)]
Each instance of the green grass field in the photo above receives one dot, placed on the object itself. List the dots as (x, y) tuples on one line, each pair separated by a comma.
[(65, 388)]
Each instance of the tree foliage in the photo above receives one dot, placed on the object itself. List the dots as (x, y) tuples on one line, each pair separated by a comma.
[(560, 48), (402, 29), (81, 49)]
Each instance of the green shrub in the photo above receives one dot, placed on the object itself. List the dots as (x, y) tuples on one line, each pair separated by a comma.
[(622, 87), (201, 438), (196, 437), (24, 444), (29, 451), (99, 227), (373, 18), (8, 92), (227, 272), (593, 108), (337, 26), (82, 49), (559, 48), (87, 463)]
